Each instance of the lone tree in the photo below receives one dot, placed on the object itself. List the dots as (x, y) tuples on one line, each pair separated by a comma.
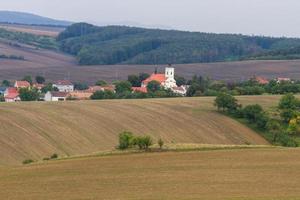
[(226, 102), (160, 143), (125, 140)]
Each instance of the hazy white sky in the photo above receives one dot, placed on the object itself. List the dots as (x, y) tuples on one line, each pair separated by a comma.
[(259, 17)]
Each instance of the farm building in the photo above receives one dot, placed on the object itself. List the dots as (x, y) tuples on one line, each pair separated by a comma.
[(56, 96), (64, 86), (11, 94)]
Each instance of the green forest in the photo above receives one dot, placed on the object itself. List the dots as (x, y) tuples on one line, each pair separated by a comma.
[(127, 45)]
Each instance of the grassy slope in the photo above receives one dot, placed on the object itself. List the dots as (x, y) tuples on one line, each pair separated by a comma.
[(257, 174), (36, 130)]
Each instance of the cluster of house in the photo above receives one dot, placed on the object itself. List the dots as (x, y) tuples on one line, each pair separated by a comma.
[(66, 88), (264, 81)]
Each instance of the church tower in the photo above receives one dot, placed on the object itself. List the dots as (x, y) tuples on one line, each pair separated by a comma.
[(170, 78), (169, 73)]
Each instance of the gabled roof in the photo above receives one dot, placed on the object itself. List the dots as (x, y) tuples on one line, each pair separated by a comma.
[(22, 84), (262, 80), (11, 96), (63, 82), (11, 90), (155, 77), (140, 89)]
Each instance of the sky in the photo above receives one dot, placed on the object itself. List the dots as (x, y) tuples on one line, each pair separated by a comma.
[(251, 17)]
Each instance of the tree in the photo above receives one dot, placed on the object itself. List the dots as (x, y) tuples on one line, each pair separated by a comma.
[(143, 76), (274, 128), (123, 87), (40, 79), (27, 94), (253, 112), (288, 101), (226, 102), (134, 80), (5, 83), (48, 87), (101, 83), (28, 79), (153, 86), (80, 86), (180, 80), (103, 95), (287, 114), (143, 142), (125, 140), (160, 143)]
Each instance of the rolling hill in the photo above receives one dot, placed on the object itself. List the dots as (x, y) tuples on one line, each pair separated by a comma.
[(13, 17), (36, 130), (128, 45), (256, 174)]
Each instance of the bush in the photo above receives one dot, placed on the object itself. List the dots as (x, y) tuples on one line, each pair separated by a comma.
[(125, 140), (27, 161), (286, 141), (143, 142), (54, 156), (160, 143)]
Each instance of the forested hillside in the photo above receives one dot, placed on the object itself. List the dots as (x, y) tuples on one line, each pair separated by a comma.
[(127, 45), (13, 38)]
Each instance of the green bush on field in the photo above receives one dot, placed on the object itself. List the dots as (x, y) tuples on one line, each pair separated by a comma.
[(27, 161), (127, 140)]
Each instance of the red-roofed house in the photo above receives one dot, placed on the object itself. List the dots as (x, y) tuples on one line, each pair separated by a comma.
[(11, 94), (262, 80), (140, 89), (22, 84), (280, 80)]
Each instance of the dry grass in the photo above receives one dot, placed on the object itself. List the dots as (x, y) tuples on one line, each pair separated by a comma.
[(36, 130), (256, 174)]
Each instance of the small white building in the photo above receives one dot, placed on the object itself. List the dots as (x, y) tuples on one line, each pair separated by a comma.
[(56, 96), (64, 86)]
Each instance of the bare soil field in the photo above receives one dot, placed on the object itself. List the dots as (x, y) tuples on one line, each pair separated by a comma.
[(54, 70), (256, 174), (39, 129), (36, 30)]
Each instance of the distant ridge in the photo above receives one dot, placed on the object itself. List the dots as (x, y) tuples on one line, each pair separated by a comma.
[(13, 17)]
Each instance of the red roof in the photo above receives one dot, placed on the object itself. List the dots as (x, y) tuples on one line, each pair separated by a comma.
[(12, 90), (262, 80), (12, 96), (63, 82), (155, 77), (22, 84), (140, 89)]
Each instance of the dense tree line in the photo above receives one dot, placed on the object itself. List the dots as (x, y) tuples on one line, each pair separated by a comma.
[(279, 131), (120, 44)]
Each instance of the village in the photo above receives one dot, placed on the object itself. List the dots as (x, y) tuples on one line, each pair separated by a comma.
[(63, 90)]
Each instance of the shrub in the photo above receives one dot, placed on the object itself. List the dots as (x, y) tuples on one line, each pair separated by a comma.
[(143, 142), (54, 156), (125, 140), (27, 161), (160, 143)]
